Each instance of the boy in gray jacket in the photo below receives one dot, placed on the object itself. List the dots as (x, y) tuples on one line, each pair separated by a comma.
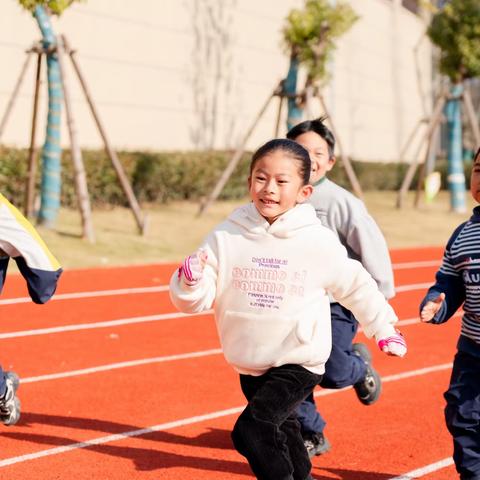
[(344, 214)]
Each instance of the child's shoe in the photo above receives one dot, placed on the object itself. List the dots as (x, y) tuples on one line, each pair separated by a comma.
[(9, 403), (368, 390), (316, 443)]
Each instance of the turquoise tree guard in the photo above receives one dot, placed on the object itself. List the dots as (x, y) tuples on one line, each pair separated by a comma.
[(295, 112), (456, 175), (51, 153), (309, 36), (455, 29)]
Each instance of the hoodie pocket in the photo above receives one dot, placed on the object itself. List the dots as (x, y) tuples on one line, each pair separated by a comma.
[(255, 341)]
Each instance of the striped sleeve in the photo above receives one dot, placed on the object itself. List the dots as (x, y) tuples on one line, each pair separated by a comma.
[(448, 280)]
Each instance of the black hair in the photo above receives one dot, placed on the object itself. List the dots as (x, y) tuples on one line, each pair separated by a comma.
[(293, 149), (316, 126)]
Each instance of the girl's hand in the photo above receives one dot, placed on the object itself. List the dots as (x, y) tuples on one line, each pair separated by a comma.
[(431, 308), (393, 344), (192, 267)]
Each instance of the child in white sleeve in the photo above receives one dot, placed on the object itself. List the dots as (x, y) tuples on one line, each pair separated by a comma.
[(41, 271), (266, 270)]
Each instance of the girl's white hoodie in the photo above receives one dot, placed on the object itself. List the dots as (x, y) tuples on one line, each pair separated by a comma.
[(268, 285)]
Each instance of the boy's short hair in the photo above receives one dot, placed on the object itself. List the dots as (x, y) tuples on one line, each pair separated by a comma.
[(317, 126)]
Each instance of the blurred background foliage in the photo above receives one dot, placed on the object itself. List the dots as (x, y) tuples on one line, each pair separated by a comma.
[(161, 177)]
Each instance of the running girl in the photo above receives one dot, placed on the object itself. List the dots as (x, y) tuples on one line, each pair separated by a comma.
[(267, 270)]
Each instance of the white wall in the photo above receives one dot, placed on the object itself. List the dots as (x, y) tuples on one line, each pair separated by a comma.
[(185, 74), (382, 81)]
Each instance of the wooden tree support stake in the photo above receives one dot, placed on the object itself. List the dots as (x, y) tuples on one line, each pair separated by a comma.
[(80, 176), (16, 89), (108, 148), (472, 117), (345, 160), (235, 158), (32, 153), (432, 125), (81, 187)]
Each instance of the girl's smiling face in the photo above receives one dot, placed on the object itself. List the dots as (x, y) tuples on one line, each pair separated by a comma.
[(276, 184)]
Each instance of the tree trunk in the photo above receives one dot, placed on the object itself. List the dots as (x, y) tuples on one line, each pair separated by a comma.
[(51, 153)]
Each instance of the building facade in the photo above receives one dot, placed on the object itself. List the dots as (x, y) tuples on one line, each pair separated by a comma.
[(193, 74)]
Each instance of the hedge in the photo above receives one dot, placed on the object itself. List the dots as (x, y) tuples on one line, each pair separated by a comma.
[(159, 177)]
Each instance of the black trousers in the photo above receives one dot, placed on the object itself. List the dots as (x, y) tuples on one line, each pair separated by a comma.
[(267, 432), (462, 414)]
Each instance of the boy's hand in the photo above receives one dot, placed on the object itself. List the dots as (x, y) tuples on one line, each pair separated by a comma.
[(393, 344), (192, 267), (431, 308)]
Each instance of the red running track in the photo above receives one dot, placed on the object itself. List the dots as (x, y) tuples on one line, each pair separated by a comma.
[(117, 385)]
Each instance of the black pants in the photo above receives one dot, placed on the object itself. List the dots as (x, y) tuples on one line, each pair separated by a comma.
[(267, 432), (462, 414)]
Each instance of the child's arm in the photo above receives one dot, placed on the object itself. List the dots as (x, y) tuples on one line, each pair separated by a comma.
[(443, 299), (447, 295), (365, 239), (20, 240), (354, 288), (193, 284)]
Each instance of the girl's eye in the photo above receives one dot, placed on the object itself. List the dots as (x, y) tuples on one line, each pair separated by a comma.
[(260, 178)]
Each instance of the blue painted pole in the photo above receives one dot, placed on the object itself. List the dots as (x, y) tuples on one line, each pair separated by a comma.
[(456, 175), (290, 87), (51, 153)]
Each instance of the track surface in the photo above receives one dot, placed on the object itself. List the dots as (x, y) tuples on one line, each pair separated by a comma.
[(115, 384)]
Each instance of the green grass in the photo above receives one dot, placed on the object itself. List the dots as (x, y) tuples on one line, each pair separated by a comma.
[(175, 230)]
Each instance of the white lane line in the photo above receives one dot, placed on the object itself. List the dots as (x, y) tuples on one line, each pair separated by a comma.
[(187, 421), (420, 472), (133, 320), (420, 264), (156, 289), (114, 366), (393, 378), (413, 286), (125, 321), (110, 323), (415, 320), (183, 356), (92, 294), (164, 288)]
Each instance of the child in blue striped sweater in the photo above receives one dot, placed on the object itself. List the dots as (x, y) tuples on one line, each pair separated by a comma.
[(457, 283)]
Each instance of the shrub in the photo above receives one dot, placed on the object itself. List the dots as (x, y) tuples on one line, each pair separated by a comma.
[(160, 177)]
